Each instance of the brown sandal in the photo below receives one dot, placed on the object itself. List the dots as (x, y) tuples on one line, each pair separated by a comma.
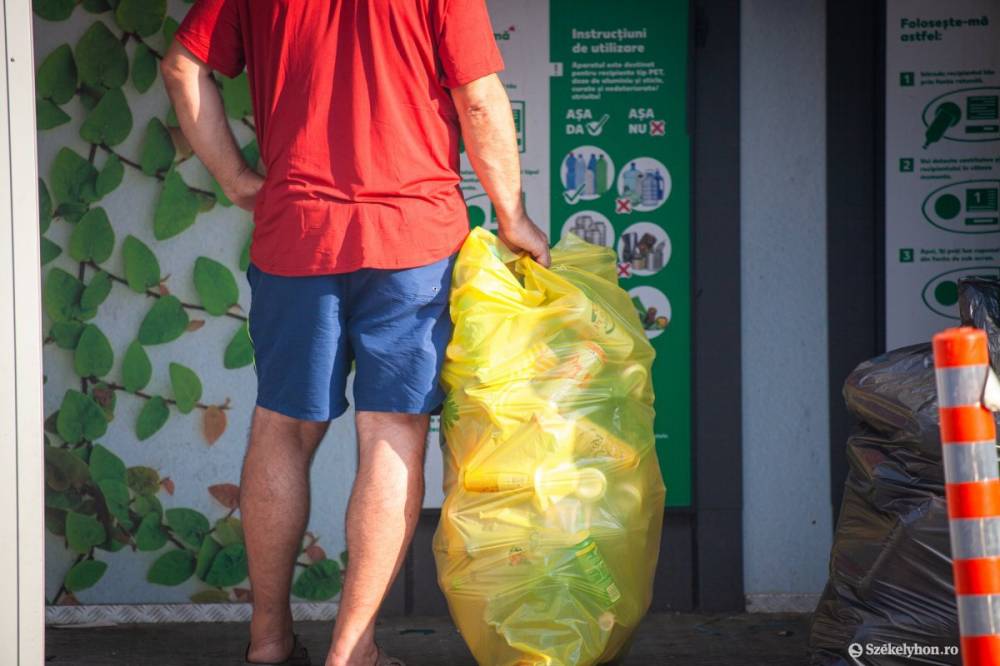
[(298, 656)]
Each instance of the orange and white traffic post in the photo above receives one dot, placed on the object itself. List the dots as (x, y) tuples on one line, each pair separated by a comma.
[(968, 442)]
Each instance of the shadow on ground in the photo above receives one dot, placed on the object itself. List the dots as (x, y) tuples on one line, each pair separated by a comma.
[(683, 639)]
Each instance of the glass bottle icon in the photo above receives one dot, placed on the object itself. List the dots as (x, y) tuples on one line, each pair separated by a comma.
[(571, 183), (630, 181), (591, 176), (601, 175), (579, 172)]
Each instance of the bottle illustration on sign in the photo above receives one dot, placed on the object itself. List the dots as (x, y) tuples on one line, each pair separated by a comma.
[(645, 183), (571, 178), (644, 248), (940, 294), (967, 115), (590, 226), (653, 309), (586, 174), (967, 207)]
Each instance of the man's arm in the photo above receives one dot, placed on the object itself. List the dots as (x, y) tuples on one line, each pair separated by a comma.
[(199, 109), (491, 143)]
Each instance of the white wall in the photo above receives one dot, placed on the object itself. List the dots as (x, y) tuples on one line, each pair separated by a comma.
[(787, 513)]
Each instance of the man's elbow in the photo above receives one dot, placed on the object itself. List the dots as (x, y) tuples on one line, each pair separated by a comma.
[(176, 67)]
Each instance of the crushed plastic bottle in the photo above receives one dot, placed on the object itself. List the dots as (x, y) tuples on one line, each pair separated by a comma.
[(550, 528)]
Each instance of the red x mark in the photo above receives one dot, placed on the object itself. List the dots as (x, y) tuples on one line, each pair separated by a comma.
[(625, 270), (657, 127), (624, 206)]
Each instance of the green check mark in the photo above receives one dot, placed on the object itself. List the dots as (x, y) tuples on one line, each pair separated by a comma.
[(573, 197), (597, 126)]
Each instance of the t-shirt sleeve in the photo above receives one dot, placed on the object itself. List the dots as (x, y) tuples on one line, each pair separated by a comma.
[(466, 45), (211, 31)]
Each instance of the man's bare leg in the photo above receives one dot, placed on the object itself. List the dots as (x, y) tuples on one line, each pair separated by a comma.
[(274, 504), (381, 517)]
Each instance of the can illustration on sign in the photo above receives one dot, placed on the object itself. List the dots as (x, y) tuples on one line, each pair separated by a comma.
[(592, 227), (644, 249)]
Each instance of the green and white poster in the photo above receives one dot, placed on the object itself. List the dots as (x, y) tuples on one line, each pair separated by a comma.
[(600, 101), (942, 151)]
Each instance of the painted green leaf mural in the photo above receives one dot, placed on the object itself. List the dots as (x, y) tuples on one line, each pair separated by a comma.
[(63, 470), (169, 28), (189, 525), (56, 78), (44, 207), (80, 418), (158, 150), (210, 596), (171, 568), (142, 17), (66, 334), (143, 480), (136, 368), (83, 532), (144, 67), (61, 295), (320, 582), (96, 6), (48, 115), (239, 351), (216, 286), (150, 535), (84, 575), (110, 121), (245, 252), (206, 555), (176, 209), (236, 96), (94, 356), (229, 566), (165, 322), (100, 58), (115, 498), (186, 386), (106, 465), (49, 250), (53, 10), (228, 531), (110, 176), (142, 270), (73, 179), (92, 239), (96, 291), (151, 418), (147, 504)]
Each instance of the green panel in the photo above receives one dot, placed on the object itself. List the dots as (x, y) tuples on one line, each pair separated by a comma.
[(620, 91)]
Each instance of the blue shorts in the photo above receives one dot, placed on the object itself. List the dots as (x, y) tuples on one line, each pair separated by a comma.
[(393, 324)]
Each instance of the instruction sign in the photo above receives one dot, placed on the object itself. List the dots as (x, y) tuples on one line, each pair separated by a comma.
[(942, 216), (600, 105)]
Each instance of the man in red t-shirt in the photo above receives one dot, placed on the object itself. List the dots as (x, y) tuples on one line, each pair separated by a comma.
[(358, 108)]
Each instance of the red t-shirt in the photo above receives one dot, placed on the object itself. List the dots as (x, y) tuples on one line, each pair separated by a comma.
[(357, 130)]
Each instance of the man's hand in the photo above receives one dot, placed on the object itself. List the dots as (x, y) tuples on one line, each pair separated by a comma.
[(243, 190), (522, 235), (491, 144)]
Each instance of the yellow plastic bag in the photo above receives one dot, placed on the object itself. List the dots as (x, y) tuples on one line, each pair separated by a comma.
[(550, 528)]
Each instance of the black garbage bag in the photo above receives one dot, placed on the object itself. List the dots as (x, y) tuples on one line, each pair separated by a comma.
[(890, 567), (979, 306)]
